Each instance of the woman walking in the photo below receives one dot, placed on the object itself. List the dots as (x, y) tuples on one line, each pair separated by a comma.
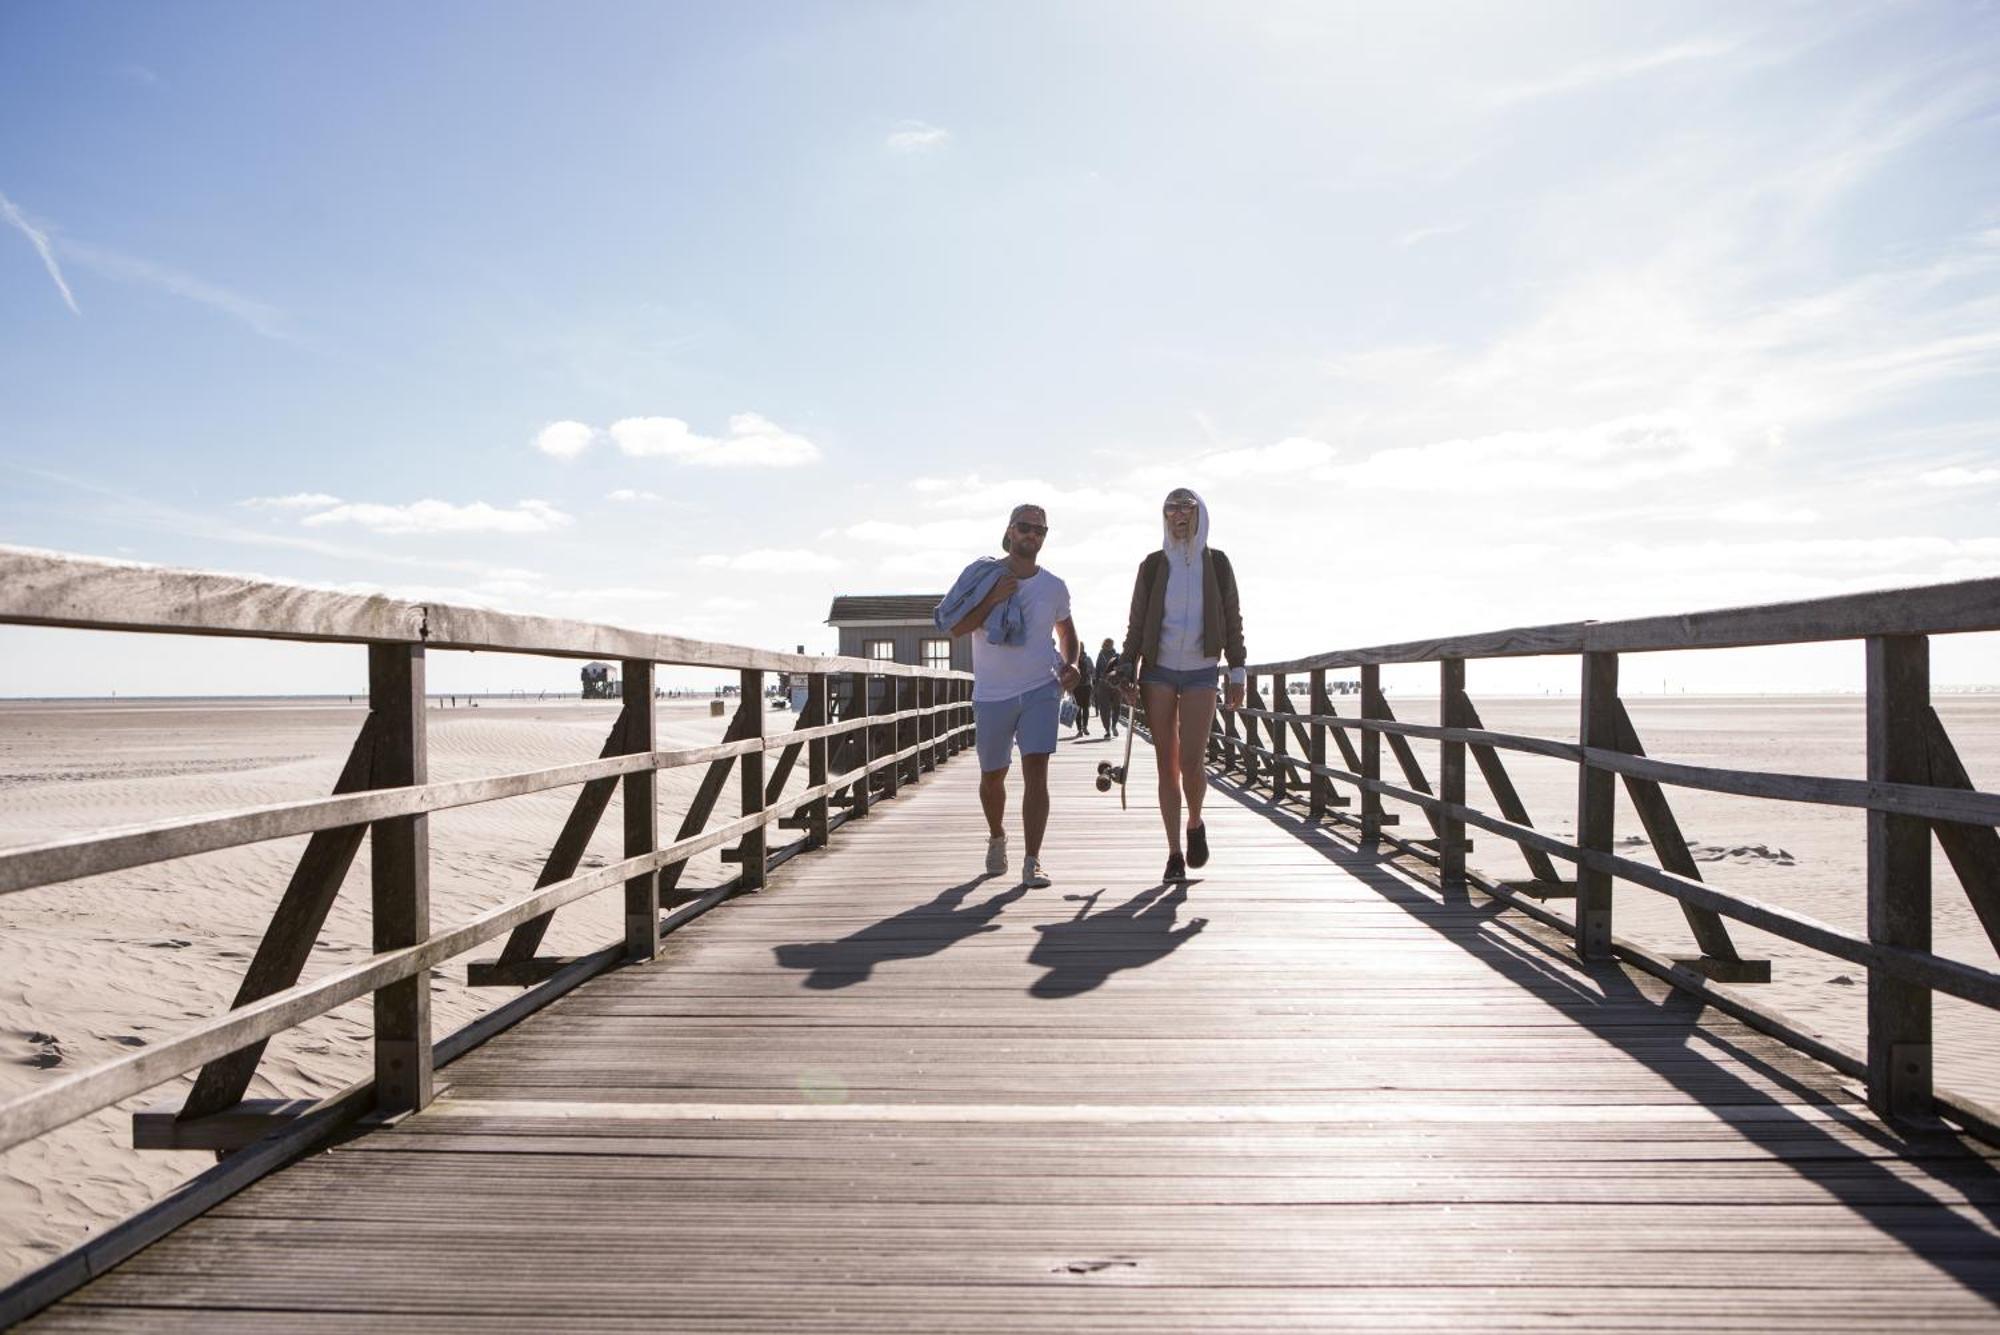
[(1080, 693), (1185, 619)]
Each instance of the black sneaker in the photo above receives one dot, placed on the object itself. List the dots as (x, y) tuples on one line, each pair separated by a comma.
[(1175, 870), (1197, 844)]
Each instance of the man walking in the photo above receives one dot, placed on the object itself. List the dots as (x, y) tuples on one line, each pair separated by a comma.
[(1015, 611)]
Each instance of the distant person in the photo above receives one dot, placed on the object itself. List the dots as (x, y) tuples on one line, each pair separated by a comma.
[(1081, 692), (1185, 619), (1104, 688), (1015, 612)]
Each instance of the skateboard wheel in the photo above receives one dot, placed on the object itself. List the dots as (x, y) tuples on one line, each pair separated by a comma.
[(1103, 767), (1103, 783)]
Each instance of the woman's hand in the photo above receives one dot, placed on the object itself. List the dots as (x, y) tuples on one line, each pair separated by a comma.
[(1129, 692), (1232, 698)]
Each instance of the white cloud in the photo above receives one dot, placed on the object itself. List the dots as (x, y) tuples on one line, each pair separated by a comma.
[(1959, 477), (564, 440), (429, 516), (1296, 456), (753, 442), (40, 241), (629, 495), (770, 560), (1591, 74), (916, 137), (299, 500)]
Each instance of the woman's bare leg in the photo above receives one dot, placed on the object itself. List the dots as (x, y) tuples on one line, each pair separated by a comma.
[(1162, 716), (1197, 715)]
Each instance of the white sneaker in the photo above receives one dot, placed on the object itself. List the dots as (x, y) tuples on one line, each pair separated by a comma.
[(1032, 874), (996, 855)]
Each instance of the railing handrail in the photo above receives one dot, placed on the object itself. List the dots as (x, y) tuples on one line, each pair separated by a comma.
[(40, 588), (1929, 609)]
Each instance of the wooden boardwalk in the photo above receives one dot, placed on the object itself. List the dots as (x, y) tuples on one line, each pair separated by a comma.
[(1303, 1093)]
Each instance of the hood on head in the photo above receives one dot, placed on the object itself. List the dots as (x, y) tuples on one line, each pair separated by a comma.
[(1167, 544)]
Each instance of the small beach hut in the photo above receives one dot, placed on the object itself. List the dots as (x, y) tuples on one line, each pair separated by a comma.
[(599, 681)]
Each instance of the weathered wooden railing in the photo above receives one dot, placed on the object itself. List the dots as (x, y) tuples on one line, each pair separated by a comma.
[(867, 728), (1916, 786)]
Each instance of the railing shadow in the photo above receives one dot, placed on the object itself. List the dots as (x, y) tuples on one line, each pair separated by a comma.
[(1871, 1188), (1082, 953), (924, 929)]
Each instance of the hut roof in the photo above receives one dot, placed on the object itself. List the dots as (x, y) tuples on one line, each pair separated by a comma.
[(910, 607)]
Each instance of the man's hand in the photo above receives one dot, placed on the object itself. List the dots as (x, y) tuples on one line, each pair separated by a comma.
[(1003, 589), (1232, 698), (1069, 676)]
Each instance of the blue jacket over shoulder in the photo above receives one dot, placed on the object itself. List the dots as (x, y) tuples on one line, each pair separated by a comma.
[(1005, 624)]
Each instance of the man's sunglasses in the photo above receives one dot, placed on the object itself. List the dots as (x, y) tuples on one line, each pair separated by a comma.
[(1039, 530)]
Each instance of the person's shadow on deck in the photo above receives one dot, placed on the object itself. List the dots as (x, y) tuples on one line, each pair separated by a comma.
[(1085, 951), (922, 930)]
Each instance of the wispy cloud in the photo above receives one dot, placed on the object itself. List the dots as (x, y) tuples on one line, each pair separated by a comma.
[(916, 137), (300, 500), (1595, 73), (429, 516), (265, 319), (1417, 236), (632, 496), (1959, 477), (39, 239), (771, 561)]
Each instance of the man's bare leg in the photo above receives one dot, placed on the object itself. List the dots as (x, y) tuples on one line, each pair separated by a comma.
[(993, 799), (1034, 801), (1162, 717)]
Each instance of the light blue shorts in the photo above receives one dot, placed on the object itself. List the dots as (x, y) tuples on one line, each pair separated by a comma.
[(1031, 715), (1181, 679)]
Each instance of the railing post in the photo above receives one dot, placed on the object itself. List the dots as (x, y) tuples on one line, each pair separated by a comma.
[(1322, 787), (757, 840), (1596, 793), (1281, 773), (1899, 876), (642, 815), (927, 726), (1371, 752), (399, 853), (862, 749), (1451, 774), (816, 777), (892, 773)]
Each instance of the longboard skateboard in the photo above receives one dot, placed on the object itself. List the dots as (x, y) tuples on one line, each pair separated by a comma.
[(1108, 773)]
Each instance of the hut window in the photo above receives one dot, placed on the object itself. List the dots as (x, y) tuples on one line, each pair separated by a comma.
[(937, 655), (881, 650)]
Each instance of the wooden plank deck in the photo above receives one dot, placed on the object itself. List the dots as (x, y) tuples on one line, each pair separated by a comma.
[(1303, 1093)]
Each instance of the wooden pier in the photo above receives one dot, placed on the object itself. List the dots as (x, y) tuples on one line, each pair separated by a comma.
[(1334, 1082)]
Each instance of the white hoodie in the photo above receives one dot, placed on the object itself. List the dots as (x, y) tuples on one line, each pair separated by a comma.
[(1180, 624)]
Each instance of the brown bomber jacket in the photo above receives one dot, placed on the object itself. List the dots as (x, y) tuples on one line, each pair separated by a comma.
[(1221, 614)]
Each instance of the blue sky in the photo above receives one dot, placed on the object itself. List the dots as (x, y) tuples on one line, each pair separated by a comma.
[(691, 317)]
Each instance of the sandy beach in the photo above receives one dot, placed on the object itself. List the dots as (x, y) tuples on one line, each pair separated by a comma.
[(95, 967)]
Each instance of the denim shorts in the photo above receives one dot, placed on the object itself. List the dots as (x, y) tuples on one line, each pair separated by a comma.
[(1181, 679), (1031, 715)]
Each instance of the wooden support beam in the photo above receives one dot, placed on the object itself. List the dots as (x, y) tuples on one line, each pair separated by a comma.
[(168, 1126), (1501, 785), (564, 857), (1596, 817), (741, 726), (1972, 850), (752, 849), (517, 973), (1664, 832), (1899, 876), (1321, 786), (641, 812), (1281, 773), (1543, 889), (289, 937), (1372, 706), (864, 750), (1452, 844), (815, 813), (400, 884), (1413, 773)]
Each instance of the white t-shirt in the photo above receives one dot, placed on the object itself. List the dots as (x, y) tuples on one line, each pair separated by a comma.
[(1003, 671)]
